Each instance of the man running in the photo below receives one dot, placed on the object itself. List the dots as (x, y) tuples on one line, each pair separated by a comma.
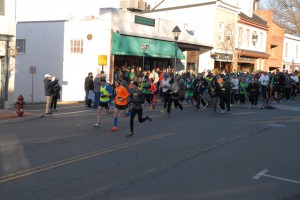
[(104, 101), (137, 108), (121, 103)]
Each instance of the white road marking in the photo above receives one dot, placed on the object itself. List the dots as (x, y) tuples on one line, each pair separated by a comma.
[(263, 173)]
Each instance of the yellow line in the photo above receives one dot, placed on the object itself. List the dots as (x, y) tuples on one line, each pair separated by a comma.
[(74, 159)]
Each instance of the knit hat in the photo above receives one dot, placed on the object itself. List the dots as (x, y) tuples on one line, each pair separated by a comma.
[(119, 81), (166, 75)]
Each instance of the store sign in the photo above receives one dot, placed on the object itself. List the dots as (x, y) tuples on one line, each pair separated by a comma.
[(144, 21), (102, 60)]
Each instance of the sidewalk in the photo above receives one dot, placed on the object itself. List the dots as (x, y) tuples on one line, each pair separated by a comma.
[(35, 112)]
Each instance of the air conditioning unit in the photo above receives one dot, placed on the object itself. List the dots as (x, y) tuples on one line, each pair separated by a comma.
[(142, 5), (133, 5)]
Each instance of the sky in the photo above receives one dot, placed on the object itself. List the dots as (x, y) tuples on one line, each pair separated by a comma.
[(37, 10), (28, 10)]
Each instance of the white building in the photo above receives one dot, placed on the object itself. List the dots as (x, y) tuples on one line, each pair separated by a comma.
[(7, 52), (291, 53), (70, 49)]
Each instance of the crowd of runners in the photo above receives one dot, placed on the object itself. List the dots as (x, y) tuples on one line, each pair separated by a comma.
[(130, 91)]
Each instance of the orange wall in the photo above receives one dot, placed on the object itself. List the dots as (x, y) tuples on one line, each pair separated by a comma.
[(275, 39)]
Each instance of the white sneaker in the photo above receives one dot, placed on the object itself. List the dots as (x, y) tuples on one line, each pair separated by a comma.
[(96, 124), (222, 111)]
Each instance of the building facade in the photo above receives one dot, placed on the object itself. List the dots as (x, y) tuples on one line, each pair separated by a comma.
[(291, 53), (7, 52), (70, 49), (217, 37), (275, 39)]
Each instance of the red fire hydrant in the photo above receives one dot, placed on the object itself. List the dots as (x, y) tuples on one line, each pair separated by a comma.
[(20, 105)]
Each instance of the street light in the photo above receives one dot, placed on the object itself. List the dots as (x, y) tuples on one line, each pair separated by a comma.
[(144, 47), (176, 32)]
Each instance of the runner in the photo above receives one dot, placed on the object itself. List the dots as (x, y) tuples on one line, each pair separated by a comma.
[(104, 101), (121, 103), (137, 108), (153, 90)]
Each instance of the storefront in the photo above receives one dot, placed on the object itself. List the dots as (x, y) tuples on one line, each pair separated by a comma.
[(249, 61), (132, 52)]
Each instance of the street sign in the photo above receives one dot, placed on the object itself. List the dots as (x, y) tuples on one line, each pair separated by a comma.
[(32, 70), (102, 60)]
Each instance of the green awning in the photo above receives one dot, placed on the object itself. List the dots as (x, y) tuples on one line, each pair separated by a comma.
[(128, 45)]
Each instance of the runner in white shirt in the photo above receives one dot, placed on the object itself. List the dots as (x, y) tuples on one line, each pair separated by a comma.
[(165, 84), (295, 84), (264, 81)]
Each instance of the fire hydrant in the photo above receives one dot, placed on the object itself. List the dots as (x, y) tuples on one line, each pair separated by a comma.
[(20, 105)]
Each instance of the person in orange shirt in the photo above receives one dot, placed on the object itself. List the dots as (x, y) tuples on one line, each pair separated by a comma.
[(153, 89), (121, 101)]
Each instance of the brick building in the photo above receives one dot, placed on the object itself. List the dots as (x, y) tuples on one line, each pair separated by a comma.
[(275, 41)]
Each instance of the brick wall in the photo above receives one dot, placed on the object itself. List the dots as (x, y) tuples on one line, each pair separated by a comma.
[(275, 40)]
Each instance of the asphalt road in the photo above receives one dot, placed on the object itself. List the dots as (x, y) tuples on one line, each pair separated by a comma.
[(248, 154)]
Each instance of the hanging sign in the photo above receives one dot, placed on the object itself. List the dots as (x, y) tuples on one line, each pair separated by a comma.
[(102, 60)]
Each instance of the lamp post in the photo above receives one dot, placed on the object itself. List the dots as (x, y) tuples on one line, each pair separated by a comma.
[(144, 47), (176, 32)]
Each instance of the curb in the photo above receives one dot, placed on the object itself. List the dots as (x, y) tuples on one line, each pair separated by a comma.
[(21, 119)]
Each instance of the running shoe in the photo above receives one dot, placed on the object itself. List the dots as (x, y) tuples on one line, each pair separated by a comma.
[(96, 124), (114, 128), (130, 134), (149, 118)]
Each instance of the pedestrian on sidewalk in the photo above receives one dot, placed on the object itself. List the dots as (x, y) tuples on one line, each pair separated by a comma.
[(86, 85), (104, 101), (137, 107), (91, 94), (49, 92), (56, 95)]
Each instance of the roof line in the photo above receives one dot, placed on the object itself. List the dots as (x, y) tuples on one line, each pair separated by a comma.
[(181, 7)]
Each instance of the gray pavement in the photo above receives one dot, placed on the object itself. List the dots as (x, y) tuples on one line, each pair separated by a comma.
[(188, 155)]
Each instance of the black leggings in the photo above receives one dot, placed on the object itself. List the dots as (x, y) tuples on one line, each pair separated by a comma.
[(139, 112)]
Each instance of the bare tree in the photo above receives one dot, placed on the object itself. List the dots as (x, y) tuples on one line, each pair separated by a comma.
[(286, 13)]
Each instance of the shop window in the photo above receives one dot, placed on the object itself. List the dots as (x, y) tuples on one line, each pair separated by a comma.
[(76, 46), (21, 45)]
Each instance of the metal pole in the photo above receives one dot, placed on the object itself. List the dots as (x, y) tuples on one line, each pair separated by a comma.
[(31, 87), (175, 60), (143, 61)]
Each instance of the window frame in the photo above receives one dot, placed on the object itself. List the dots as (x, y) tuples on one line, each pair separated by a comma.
[(21, 45), (76, 46)]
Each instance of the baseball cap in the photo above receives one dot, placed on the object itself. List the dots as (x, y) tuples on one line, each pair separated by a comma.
[(47, 75)]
